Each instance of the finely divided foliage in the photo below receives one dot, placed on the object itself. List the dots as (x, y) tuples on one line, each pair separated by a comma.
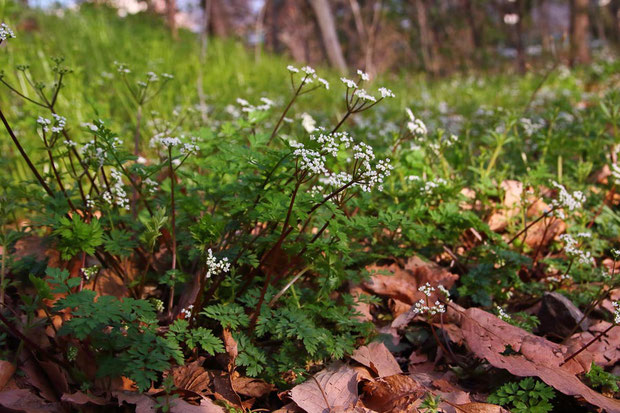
[(181, 232)]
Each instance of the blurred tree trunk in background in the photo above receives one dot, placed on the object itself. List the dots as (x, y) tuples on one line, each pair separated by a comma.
[(171, 17), (329, 35), (520, 9), (367, 34), (579, 35), (427, 44), (219, 19)]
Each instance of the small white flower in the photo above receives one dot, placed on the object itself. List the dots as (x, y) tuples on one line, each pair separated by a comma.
[(308, 122), (502, 315), (292, 69), (187, 312), (167, 76), (308, 70), (349, 83), (362, 94), (363, 75), (324, 82), (215, 266), (386, 93), (6, 32)]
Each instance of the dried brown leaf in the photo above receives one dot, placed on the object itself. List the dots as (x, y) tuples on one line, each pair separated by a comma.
[(251, 387), (396, 393), (378, 358), (6, 372), (605, 351), (143, 403), (404, 282), (80, 398), (334, 387), (22, 400), (206, 406), (480, 408), (513, 190), (489, 337)]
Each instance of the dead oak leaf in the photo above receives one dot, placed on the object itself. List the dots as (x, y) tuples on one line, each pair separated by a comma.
[(378, 358), (22, 400), (397, 393), (402, 283), (488, 337), (332, 388), (6, 372), (605, 351), (475, 407), (251, 387)]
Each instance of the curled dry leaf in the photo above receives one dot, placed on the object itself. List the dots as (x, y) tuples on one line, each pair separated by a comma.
[(22, 400), (332, 388), (143, 403), (231, 348), (513, 190), (193, 377), (206, 406), (402, 283), (489, 337), (378, 358), (80, 398), (480, 408), (397, 393), (6, 372), (251, 387)]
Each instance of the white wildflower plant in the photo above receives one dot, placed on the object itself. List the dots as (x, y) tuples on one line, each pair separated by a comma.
[(319, 160), (566, 201), (5, 33), (216, 266)]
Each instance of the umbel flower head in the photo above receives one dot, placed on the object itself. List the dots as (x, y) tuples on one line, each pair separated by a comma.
[(6, 33)]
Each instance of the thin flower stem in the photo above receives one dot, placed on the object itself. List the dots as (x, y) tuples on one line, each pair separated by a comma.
[(25, 156), (48, 149), (173, 225), (287, 286), (275, 129), (531, 224), (594, 340)]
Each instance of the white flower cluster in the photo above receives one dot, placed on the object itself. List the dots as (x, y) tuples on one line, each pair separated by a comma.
[(616, 305), (215, 266), (530, 127), (56, 126), (571, 249), (502, 315), (158, 304), (186, 148), (116, 194), (90, 204), (566, 200), (368, 174), (308, 122), (122, 68), (422, 307), (362, 93), (6, 32), (559, 279), (415, 125), (89, 272), (247, 107), (151, 186), (310, 75), (187, 312), (430, 186)]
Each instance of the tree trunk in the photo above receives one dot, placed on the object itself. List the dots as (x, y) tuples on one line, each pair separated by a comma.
[(426, 38), (171, 14), (327, 25), (579, 36)]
